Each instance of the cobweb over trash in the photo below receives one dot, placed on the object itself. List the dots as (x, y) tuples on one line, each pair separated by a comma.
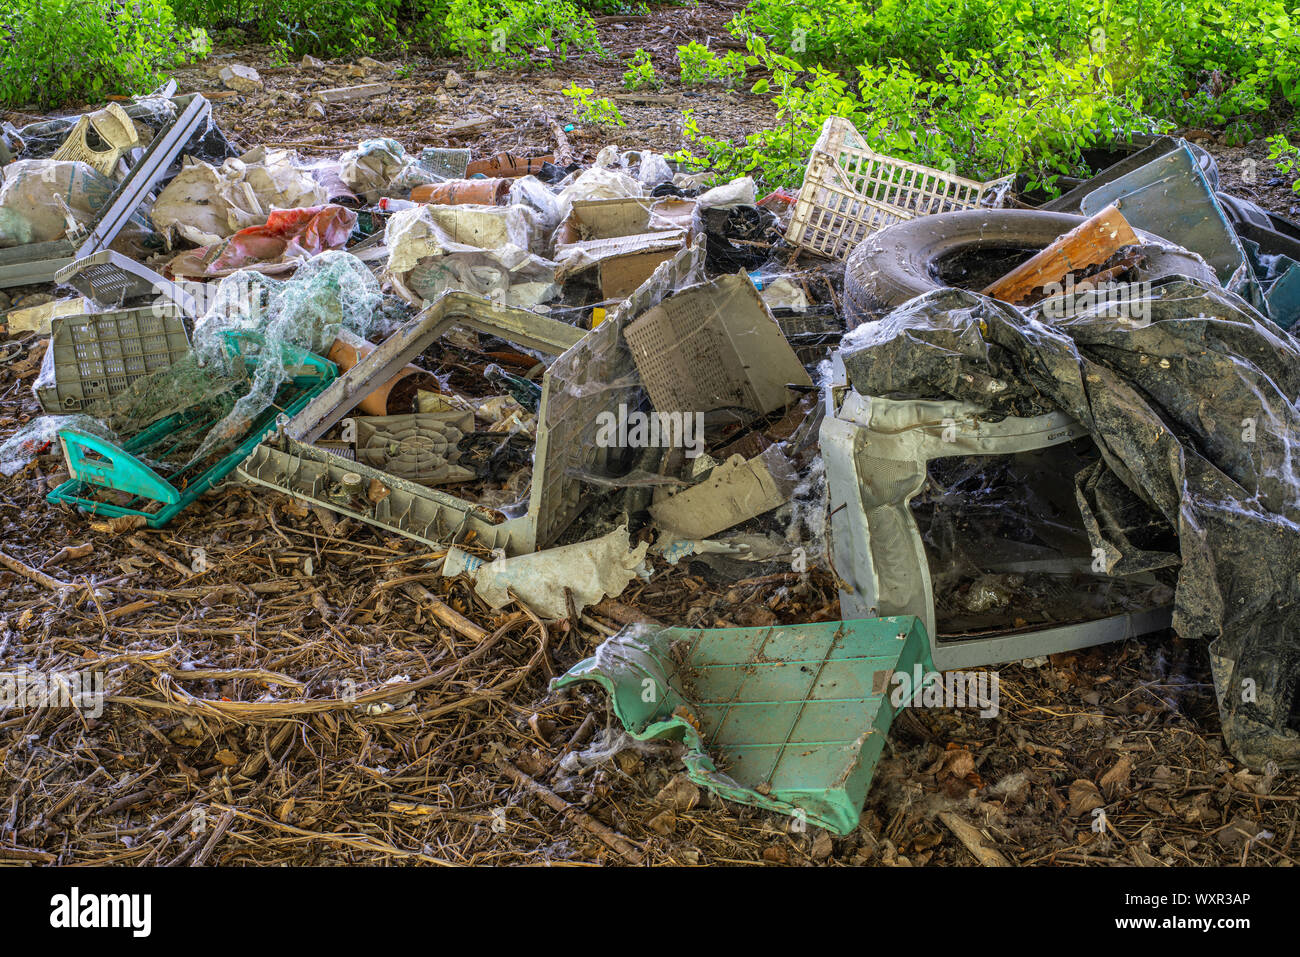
[(331, 292), (29, 441)]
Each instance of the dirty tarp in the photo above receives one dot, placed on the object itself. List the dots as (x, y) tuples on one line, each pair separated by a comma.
[(1195, 414)]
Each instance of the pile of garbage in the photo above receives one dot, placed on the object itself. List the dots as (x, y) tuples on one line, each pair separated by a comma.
[(1033, 437)]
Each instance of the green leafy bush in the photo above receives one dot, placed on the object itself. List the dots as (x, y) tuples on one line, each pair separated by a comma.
[(1285, 157), (330, 28), (601, 111), (65, 51), (640, 73), (973, 118), (510, 33), (1196, 62), (699, 64)]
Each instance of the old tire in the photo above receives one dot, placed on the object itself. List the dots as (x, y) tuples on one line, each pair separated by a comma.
[(907, 259)]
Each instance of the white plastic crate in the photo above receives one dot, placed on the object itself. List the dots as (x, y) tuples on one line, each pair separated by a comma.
[(850, 191)]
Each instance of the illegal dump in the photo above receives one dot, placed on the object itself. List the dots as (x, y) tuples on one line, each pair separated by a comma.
[(519, 492)]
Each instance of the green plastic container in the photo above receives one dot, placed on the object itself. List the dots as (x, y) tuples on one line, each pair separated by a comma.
[(95, 463), (791, 718)]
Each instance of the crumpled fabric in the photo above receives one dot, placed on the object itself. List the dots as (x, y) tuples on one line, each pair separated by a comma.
[(288, 238), (205, 204), (1195, 414)]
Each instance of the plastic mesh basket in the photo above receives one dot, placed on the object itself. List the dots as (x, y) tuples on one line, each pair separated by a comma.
[(850, 191), (98, 356)]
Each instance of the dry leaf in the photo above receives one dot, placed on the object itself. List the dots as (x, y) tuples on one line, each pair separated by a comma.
[(1084, 797)]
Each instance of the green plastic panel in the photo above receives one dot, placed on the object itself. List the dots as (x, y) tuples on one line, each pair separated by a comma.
[(791, 718)]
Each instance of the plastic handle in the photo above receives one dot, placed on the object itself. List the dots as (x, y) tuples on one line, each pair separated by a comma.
[(99, 462)]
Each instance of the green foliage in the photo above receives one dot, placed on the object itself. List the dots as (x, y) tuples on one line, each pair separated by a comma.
[(699, 64), (1195, 62), (602, 111), (640, 73), (336, 28), (1285, 157), (511, 33), (972, 118), (62, 51)]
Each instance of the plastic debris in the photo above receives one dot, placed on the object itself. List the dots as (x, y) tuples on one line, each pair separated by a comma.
[(587, 571), (790, 718)]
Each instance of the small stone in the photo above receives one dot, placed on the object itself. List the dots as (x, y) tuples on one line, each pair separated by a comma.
[(311, 63), (452, 81), (242, 79)]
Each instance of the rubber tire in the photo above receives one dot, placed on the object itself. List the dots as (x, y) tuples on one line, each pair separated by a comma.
[(897, 263)]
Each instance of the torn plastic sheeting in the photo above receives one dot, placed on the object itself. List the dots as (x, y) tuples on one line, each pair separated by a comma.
[(381, 167), (790, 718), (40, 434), (531, 282), (590, 571), (205, 204), (1191, 397), (39, 198), (612, 218), (735, 491), (288, 238), (328, 293), (739, 192), (1283, 298), (503, 235), (714, 345)]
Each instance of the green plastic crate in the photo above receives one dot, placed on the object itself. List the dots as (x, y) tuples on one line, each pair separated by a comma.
[(791, 718), (95, 463)]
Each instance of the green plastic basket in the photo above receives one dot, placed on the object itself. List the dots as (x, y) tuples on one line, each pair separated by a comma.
[(791, 718), (96, 463)]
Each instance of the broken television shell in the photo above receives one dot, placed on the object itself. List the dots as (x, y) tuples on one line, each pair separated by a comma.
[(971, 526)]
